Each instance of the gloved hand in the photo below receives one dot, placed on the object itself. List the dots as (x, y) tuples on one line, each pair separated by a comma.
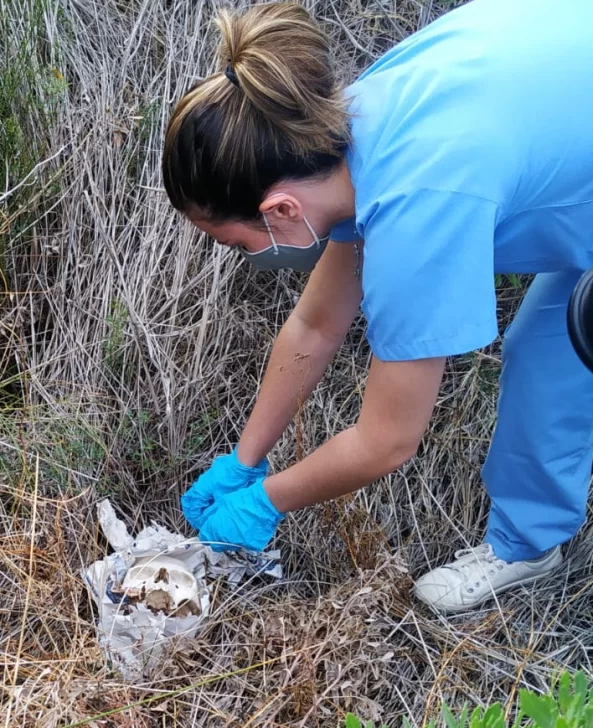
[(225, 475), (244, 518)]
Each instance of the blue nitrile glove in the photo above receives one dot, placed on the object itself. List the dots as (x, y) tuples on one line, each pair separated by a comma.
[(225, 475), (245, 518)]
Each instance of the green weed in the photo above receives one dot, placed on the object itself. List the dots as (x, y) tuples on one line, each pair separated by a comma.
[(117, 321), (505, 280), (32, 88), (568, 705), (353, 722)]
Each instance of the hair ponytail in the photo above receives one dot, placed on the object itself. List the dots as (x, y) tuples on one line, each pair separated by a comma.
[(272, 112)]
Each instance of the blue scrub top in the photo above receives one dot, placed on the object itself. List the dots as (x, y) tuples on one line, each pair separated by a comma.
[(472, 154)]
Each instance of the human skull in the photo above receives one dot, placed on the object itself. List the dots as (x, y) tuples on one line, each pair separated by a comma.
[(164, 584)]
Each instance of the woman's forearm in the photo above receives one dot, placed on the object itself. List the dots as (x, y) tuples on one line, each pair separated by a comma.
[(297, 363), (397, 406), (345, 463)]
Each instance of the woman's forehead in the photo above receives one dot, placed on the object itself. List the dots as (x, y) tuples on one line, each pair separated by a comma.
[(218, 227)]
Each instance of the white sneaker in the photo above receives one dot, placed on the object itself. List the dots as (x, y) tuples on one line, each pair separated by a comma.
[(477, 575)]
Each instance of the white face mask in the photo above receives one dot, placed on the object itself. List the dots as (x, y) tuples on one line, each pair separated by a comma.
[(287, 256)]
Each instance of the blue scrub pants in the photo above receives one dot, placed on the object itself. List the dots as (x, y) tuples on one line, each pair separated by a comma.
[(539, 466)]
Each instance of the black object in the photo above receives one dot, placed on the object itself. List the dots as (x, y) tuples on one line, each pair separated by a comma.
[(231, 75), (580, 318)]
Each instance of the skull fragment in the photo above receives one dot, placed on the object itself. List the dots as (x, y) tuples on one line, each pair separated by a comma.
[(163, 584)]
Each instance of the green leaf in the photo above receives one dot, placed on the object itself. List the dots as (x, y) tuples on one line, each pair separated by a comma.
[(352, 721), (494, 717), (580, 685), (574, 711), (514, 280), (564, 692), (476, 719), (463, 716), (450, 720), (540, 709)]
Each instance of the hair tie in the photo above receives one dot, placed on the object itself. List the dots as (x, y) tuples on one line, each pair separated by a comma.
[(232, 76)]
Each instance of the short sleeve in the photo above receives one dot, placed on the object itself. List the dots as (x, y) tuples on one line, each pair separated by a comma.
[(345, 232), (428, 275)]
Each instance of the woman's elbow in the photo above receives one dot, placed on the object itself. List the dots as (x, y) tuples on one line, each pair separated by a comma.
[(395, 454), (401, 455), (389, 453)]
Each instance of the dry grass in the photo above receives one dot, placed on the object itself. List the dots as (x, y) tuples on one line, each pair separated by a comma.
[(131, 355)]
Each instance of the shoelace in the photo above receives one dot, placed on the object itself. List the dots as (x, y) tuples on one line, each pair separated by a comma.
[(482, 555)]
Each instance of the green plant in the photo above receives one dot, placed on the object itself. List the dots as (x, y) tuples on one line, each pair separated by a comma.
[(353, 722), (144, 119), (507, 279), (197, 431), (116, 320), (568, 705), (493, 717), (32, 89)]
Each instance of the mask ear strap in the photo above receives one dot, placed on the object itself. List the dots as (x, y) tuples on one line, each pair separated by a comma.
[(270, 233), (312, 231)]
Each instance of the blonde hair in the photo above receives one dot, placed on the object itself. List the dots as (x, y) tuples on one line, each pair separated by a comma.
[(273, 112)]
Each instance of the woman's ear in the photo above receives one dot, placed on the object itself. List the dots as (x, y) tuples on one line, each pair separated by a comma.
[(281, 206)]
